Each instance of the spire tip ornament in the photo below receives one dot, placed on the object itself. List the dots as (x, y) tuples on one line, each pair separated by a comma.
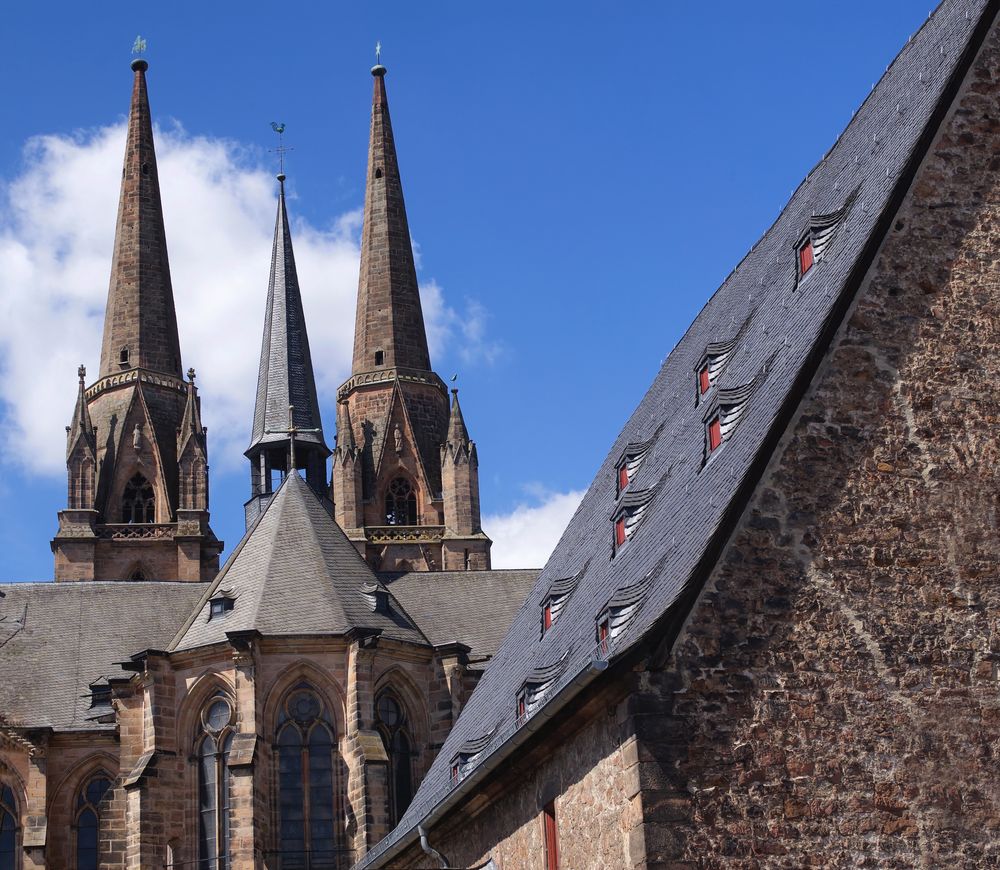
[(281, 150), (138, 49)]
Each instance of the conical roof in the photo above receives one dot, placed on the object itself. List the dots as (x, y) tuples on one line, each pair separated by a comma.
[(294, 573), (390, 320), (140, 324), (286, 374)]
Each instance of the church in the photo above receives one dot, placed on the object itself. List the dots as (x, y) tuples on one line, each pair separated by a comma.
[(768, 638), (158, 711)]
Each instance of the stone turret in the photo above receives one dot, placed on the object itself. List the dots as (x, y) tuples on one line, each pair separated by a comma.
[(127, 489), (395, 406)]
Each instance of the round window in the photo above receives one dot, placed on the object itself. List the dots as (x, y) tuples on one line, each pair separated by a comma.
[(218, 715), (389, 711), (303, 706)]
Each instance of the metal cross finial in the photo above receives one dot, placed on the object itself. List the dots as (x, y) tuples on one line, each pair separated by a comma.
[(282, 148), (378, 53), (139, 46)]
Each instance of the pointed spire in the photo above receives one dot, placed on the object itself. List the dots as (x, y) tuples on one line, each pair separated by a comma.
[(457, 433), (345, 431), (81, 427), (191, 423), (286, 375), (389, 331), (140, 325)]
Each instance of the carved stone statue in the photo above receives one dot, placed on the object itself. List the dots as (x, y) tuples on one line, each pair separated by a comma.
[(137, 436), (397, 435)]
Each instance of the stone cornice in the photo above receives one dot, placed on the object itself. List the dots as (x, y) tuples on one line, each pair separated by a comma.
[(388, 375), (132, 376)]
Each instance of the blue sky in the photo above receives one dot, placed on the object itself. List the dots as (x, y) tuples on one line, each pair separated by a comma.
[(579, 179)]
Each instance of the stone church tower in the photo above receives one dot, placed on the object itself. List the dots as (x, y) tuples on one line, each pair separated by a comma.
[(136, 456), (405, 472)]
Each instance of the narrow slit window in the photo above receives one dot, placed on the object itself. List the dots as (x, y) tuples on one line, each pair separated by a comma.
[(704, 379), (522, 708), (622, 476), (551, 837), (547, 616), (806, 258), (620, 535), (714, 434), (379, 357)]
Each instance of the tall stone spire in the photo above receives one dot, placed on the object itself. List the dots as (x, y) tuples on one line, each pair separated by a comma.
[(394, 499), (137, 459), (389, 330), (286, 386), (140, 324)]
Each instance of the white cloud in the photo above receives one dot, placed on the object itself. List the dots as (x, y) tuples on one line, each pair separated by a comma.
[(56, 239), (527, 535)]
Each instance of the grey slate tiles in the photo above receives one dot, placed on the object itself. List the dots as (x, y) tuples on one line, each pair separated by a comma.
[(783, 326)]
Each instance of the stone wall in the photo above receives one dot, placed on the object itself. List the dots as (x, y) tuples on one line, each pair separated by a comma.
[(833, 699)]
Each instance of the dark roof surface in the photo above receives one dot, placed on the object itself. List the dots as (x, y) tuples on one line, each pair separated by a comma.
[(789, 321), (285, 376), (471, 607), (294, 573), (58, 638)]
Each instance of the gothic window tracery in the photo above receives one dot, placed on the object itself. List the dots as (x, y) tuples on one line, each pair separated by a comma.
[(138, 501), (8, 828), (214, 784), (308, 818), (392, 725), (88, 820), (400, 503)]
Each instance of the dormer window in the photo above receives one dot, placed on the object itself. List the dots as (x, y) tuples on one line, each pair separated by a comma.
[(630, 460), (716, 357), (220, 606), (376, 596), (619, 612), (537, 687), (629, 514), (714, 434), (806, 257), (704, 379), (100, 695), (556, 597)]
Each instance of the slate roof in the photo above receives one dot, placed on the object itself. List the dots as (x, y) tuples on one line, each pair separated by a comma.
[(791, 322), (58, 638), (285, 376), (294, 573), (471, 607)]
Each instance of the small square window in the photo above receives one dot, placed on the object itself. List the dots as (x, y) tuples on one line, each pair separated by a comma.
[(704, 381), (805, 257), (218, 607), (620, 535), (714, 434)]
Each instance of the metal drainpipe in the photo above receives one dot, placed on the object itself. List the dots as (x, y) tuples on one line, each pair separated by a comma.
[(430, 850)]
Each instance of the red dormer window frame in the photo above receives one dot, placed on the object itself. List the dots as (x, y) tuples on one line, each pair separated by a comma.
[(547, 619), (620, 534), (455, 768), (704, 380), (522, 706), (714, 434), (622, 476), (807, 258)]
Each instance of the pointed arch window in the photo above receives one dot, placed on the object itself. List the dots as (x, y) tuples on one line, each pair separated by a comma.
[(88, 820), (309, 834), (400, 503), (214, 784), (392, 725), (8, 828), (138, 502)]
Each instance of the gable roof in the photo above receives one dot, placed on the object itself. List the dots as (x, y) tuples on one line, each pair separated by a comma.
[(56, 639), (792, 320), (294, 573)]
